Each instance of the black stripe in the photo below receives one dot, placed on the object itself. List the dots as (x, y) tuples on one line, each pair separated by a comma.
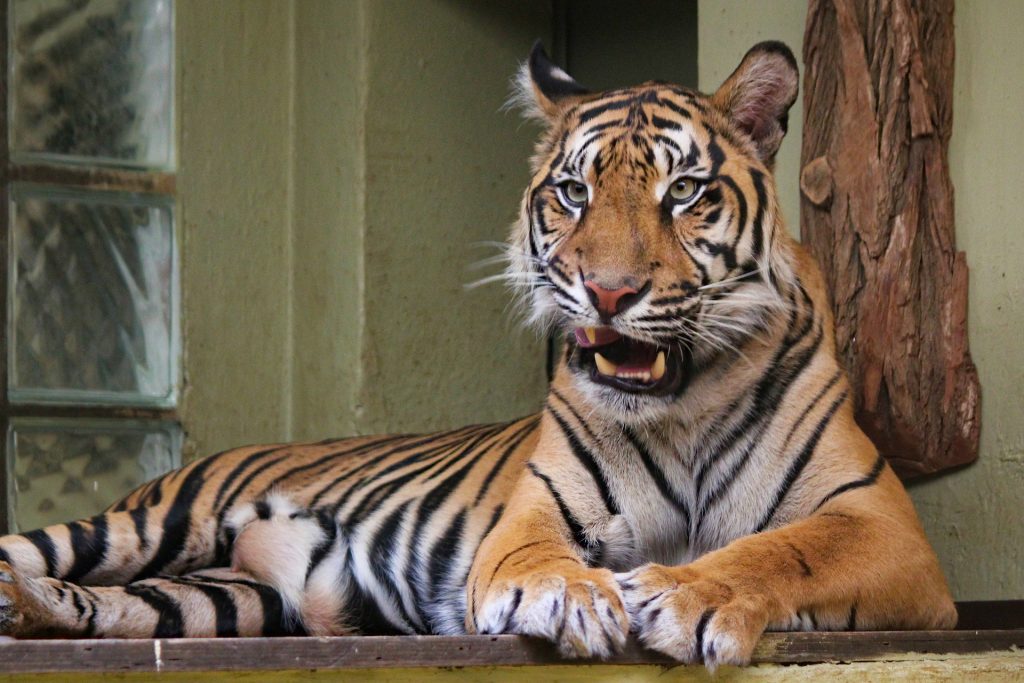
[(798, 555), (867, 480), (330, 457), (139, 519), (221, 548), (177, 522), (592, 112), (377, 496), (237, 471), (762, 200), (381, 551), (499, 509), (377, 459), (274, 622), (44, 544), (90, 624), (89, 548), (224, 608), (657, 474), (851, 621), (715, 154), (798, 464), (575, 528), (781, 373), (663, 123), (586, 458), (467, 449), (510, 553), (429, 504), (702, 627), (329, 526), (79, 605), (170, 623), (443, 554), (513, 444), (811, 405), (685, 113)]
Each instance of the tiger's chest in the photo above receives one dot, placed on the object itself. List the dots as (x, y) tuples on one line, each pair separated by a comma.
[(669, 510)]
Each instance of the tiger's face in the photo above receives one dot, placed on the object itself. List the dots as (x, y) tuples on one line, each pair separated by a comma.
[(650, 232)]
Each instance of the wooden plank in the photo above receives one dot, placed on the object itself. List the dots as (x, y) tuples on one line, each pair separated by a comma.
[(284, 654), (94, 178)]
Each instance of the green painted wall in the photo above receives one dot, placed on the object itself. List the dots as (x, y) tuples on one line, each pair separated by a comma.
[(976, 517), (340, 162), (444, 170), (610, 43), (234, 108), (973, 516), (341, 165), (726, 30)]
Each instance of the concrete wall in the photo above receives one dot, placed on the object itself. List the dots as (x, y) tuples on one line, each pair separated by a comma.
[(233, 217), (973, 517), (976, 517), (726, 30), (340, 162)]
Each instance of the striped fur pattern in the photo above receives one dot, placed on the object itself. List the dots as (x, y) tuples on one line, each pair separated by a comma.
[(695, 476)]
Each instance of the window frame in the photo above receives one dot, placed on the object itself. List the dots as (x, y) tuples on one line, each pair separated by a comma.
[(78, 177)]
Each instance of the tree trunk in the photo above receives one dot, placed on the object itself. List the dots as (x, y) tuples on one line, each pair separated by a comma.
[(877, 213)]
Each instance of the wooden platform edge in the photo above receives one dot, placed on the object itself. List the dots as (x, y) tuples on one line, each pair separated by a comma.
[(281, 654)]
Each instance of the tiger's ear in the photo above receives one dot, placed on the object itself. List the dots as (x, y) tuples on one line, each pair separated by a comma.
[(758, 95), (542, 90)]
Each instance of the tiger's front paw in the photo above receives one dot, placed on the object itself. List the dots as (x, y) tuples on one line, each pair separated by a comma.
[(690, 616), (582, 611), (20, 610)]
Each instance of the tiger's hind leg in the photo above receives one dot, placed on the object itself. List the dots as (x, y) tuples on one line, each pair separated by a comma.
[(212, 602), (301, 553)]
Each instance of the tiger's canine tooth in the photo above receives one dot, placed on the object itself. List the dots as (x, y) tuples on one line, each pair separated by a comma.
[(605, 366), (658, 369), (591, 334)]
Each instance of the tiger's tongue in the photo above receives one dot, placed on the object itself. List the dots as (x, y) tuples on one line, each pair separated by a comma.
[(589, 337)]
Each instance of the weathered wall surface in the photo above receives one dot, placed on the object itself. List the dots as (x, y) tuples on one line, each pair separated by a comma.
[(233, 220), (726, 30), (973, 517), (339, 163), (444, 172)]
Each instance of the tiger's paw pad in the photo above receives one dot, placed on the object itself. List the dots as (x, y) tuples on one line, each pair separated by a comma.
[(583, 614), (691, 617)]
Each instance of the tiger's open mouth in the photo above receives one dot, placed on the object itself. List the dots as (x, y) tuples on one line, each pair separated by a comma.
[(627, 364)]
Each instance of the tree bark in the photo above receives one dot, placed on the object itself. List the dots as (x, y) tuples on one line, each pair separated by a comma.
[(877, 213)]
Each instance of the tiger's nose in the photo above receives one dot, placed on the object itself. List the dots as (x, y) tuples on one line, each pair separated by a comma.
[(611, 302)]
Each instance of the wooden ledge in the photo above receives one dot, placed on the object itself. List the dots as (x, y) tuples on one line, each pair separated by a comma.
[(391, 652)]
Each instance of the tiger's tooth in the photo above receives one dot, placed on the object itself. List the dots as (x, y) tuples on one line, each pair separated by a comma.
[(605, 366), (658, 369), (591, 334)]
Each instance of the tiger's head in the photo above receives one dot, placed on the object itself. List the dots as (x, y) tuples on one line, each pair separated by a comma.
[(650, 233)]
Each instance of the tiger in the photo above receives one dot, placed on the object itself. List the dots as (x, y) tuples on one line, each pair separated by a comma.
[(694, 477)]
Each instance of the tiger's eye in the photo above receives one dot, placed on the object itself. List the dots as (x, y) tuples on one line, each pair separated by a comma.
[(682, 189), (575, 192)]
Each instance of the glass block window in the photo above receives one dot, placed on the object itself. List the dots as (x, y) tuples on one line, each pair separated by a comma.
[(89, 290), (89, 82), (94, 298), (68, 469)]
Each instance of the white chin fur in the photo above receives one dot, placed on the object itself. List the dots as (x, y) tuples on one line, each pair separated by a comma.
[(629, 409)]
